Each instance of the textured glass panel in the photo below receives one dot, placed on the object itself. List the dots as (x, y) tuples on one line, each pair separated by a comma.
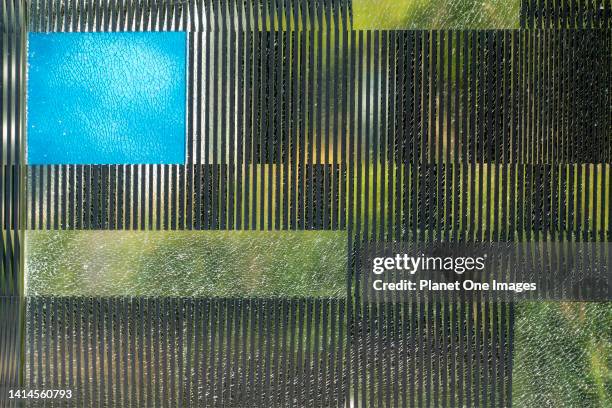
[(106, 98), (188, 352), (444, 129), (111, 263)]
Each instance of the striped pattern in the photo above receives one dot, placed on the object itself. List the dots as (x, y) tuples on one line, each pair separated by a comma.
[(185, 15), (173, 197), (12, 46), (11, 345), (467, 136), (481, 201), (12, 81), (11, 150), (295, 121), (188, 352), (385, 124), (566, 14), (448, 352)]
